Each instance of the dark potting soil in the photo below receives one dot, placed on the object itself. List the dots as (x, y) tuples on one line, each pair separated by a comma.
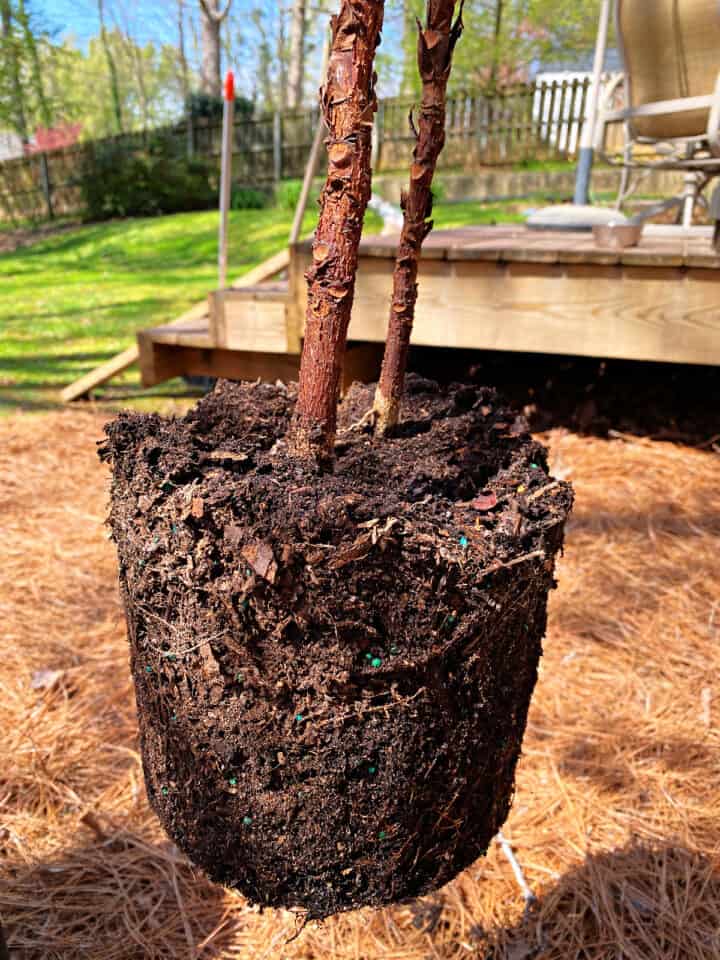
[(333, 670)]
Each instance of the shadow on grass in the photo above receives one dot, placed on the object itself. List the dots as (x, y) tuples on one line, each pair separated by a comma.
[(150, 305), (19, 401), (22, 361), (187, 242)]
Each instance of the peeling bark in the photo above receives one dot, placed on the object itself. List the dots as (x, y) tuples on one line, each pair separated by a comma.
[(436, 43), (349, 102)]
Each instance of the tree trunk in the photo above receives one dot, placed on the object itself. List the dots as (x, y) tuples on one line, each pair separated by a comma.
[(37, 76), (211, 18), (136, 58), (409, 58), (112, 69), (210, 79), (497, 34), (10, 56), (349, 103), (281, 54), (182, 56), (185, 76), (296, 71), (435, 48)]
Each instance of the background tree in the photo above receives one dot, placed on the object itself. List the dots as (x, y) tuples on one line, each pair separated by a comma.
[(212, 16), (13, 94), (112, 68), (30, 45), (506, 39), (296, 70)]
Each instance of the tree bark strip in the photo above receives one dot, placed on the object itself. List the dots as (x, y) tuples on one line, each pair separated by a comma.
[(349, 103), (436, 43)]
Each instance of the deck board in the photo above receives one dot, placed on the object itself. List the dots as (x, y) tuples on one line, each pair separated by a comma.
[(486, 288), (510, 288), (516, 243)]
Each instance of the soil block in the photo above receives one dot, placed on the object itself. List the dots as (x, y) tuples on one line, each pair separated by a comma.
[(333, 669)]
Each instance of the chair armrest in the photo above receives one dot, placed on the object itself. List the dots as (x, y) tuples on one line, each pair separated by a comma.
[(660, 107)]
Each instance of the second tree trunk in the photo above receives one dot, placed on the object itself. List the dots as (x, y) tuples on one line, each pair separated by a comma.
[(436, 43)]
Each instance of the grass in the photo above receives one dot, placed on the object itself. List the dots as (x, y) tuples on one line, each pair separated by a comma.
[(74, 299)]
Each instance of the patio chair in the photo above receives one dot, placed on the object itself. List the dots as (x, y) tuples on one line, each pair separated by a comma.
[(670, 51)]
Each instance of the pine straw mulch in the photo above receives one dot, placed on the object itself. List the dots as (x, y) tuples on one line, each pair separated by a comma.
[(616, 818)]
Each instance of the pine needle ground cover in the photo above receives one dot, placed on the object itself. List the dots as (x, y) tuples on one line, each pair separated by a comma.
[(615, 818)]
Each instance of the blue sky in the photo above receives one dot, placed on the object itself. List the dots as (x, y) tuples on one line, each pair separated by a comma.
[(156, 21)]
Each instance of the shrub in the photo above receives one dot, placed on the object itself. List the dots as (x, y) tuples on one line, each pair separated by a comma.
[(206, 107), (439, 190), (120, 179), (247, 198), (287, 194)]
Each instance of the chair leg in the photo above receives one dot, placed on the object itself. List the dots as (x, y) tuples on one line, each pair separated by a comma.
[(624, 188), (690, 195), (714, 210)]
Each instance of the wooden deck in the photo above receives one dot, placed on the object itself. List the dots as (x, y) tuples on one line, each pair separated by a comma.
[(488, 288)]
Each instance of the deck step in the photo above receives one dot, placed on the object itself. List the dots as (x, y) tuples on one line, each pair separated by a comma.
[(251, 318), (169, 351), (191, 333)]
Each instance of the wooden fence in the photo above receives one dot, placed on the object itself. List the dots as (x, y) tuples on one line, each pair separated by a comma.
[(527, 122)]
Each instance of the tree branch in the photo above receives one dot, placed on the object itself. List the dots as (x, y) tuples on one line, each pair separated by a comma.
[(217, 15)]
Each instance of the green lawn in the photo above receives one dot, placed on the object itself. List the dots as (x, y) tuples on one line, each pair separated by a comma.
[(74, 299)]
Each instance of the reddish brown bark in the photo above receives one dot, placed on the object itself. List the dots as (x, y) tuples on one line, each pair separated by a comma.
[(436, 43), (349, 103)]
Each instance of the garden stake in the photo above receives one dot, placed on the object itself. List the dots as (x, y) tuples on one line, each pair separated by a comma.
[(436, 43), (226, 175)]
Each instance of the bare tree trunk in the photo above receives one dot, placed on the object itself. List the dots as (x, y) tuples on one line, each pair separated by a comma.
[(182, 55), (349, 102), (435, 48), (10, 56), (267, 93), (296, 72), (112, 68), (138, 66), (185, 76), (497, 34), (37, 75), (211, 18), (409, 60), (282, 64)]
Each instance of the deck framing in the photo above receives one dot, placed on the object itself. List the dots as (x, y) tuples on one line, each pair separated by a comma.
[(485, 288)]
